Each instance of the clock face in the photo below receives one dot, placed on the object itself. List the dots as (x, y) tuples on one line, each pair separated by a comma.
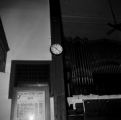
[(56, 49)]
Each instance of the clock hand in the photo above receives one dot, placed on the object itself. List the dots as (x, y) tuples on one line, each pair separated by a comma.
[(57, 49)]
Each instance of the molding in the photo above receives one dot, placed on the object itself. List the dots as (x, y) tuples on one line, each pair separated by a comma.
[(86, 19)]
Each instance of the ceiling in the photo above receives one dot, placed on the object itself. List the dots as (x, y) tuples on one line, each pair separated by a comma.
[(89, 18)]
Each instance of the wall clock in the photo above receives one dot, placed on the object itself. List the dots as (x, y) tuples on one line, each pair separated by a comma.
[(56, 49)]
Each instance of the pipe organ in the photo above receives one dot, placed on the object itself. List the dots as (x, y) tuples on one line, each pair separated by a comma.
[(92, 66)]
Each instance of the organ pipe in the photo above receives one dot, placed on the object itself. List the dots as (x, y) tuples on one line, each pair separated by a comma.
[(85, 63)]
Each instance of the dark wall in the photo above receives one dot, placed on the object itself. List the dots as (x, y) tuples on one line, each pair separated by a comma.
[(89, 18)]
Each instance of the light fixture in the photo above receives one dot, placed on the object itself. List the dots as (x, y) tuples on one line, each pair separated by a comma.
[(31, 117)]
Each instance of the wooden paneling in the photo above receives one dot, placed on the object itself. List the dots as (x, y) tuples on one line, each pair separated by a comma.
[(28, 73)]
